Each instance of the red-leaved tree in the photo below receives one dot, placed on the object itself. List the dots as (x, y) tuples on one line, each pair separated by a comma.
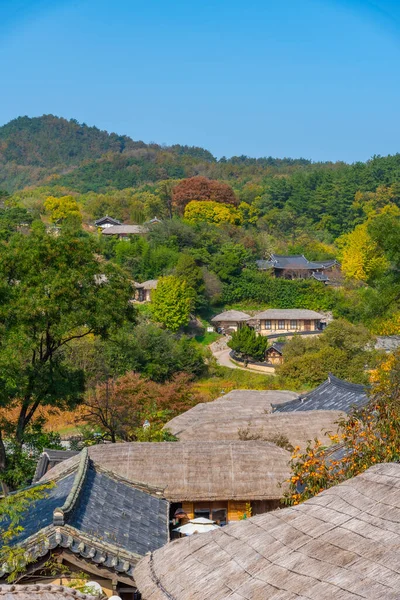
[(119, 407), (202, 188)]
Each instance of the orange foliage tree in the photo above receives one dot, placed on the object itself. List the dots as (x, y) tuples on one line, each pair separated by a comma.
[(366, 437), (120, 407), (202, 188)]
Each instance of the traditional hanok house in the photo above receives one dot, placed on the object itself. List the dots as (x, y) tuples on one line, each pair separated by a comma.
[(297, 266), (41, 592), (231, 320), (274, 354), (153, 221), (143, 290), (247, 415), (106, 222), (93, 522), (293, 320), (333, 394), (124, 231), (343, 543), (214, 480)]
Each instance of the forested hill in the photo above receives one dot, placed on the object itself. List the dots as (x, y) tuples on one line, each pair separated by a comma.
[(88, 159), (63, 157)]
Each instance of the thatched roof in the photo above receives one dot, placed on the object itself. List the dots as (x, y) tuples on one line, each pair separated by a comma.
[(231, 315), (194, 471), (332, 394), (288, 313), (41, 592), (342, 544), (250, 403), (298, 429), (248, 412)]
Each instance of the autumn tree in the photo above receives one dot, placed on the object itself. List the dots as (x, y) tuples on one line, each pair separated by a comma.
[(211, 211), (54, 290), (172, 302), (360, 256), (201, 188), (60, 209), (121, 406), (366, 437)]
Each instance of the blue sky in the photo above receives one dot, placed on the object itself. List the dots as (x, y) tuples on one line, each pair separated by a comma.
[(313, 78)]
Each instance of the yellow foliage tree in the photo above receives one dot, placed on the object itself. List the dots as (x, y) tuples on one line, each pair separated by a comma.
[(197, 211), (62, 208), (360, 255)]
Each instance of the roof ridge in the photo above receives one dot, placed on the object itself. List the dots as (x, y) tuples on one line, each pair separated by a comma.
[(60, 512), (346, 384)]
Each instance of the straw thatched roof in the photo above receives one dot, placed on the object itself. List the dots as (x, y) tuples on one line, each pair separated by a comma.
[(194, 471), (297, 428), (250, 403), (231, 315), (343, 544), (248, 413), (41, 592)]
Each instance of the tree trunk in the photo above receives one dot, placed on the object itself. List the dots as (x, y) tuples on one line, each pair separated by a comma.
[(3, 464)]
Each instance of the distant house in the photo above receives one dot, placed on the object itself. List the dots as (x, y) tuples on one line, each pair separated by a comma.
[(143, 290), (297, 266), (274, 354), (94, 522), (292, 320), (333, 394), (153, 221), (230, 320), (213, 480), (106, 222), (124, 231)]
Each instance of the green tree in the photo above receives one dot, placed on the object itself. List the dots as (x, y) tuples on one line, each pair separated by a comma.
[(230, 260), (53, 290), (187, 270), (248, 344), (172, 302), (12, 510)]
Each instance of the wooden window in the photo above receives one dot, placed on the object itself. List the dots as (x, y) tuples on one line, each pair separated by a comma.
[(267, 324), (202, 512), (219, 515), (293, 324), (281, 324)]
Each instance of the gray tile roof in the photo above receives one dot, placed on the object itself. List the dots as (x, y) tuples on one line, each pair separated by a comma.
[(102, 517), (41, 592), (320, 276), (333, 394), (298, 262), (107, 219)]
